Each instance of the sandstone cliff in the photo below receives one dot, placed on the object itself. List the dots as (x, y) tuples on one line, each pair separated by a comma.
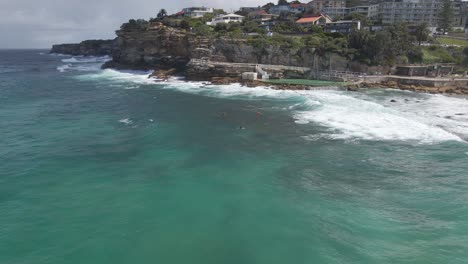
[(155, 46), (86, 48), (161, 46)]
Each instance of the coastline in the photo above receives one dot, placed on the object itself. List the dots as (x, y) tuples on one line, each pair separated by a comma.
[(348, 86), (171, 51)]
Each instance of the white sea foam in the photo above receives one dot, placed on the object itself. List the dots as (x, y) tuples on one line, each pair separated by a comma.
[(126, 121), (80, 63), (64, 68), (81, 59), (122, 77), (349, 116), (59, 55), (73, 59), (228, 91), (448, 113)]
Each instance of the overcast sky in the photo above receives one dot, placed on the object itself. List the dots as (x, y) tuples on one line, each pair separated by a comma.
[(41, 23)]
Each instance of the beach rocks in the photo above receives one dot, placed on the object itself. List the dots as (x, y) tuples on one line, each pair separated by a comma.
[(352, 87), (163, 74)]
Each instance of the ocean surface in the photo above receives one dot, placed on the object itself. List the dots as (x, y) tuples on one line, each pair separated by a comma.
[(101, 166)]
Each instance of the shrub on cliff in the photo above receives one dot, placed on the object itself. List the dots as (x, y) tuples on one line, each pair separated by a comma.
[(135, 25), (283, 42), (202, 30)]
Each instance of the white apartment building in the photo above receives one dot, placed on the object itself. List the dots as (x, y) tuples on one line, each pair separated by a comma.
[(368, 11), (419, 11)]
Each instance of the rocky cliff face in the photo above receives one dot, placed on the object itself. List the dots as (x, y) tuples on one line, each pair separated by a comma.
[(86, 48), (159, 46), (155, 46)]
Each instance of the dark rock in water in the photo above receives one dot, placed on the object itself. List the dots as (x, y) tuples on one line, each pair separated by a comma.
[(393, 101), (460, 114), (353, 87), (86, 48)]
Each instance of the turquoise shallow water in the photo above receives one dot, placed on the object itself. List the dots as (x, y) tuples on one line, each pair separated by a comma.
[(109, 167)]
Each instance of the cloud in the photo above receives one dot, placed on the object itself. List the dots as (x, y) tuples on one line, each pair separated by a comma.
[(39, 24)]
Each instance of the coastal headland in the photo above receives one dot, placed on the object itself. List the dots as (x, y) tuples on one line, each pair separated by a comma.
[(223, 59)]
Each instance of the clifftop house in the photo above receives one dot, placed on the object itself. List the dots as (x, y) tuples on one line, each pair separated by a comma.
[(196, 11), (226, 19), (261, 15), (313, 20)]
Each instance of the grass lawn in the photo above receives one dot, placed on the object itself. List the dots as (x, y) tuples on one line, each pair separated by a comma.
[(436, 55), (450, 41), (316, 83)]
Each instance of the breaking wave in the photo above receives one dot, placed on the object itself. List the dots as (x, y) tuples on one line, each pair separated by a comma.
[(348, 117), (81, 63), (124, 77), (420, 118)]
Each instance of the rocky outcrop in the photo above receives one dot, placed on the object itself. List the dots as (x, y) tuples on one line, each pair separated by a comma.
[(198, 69), (416, 85), (86, 48), (157, 47)]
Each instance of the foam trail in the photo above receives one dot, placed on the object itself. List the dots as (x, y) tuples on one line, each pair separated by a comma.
[(126, 77), (81, 59), (80, 63)]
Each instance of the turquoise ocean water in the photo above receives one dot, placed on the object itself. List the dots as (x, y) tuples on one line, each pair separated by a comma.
[(111, 167)]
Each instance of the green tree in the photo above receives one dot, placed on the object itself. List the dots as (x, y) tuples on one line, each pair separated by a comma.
[(384, 47), (446, 16), (282, 2), (465, 55), (250, 26), (422, 33), (162, 13)]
